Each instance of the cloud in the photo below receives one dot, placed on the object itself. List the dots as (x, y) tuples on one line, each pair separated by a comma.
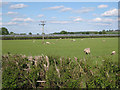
[(113, 12), (18, 6), (77, 19), (23, 19), (12, 13), (84, 10), (54, 8), (9, 23), (103, 20), (41, 15), (97, 20), (65, 9), (60, 22), (102, 6), (28, 19)]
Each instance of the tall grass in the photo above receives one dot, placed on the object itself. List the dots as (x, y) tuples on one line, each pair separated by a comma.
[(20, 71)]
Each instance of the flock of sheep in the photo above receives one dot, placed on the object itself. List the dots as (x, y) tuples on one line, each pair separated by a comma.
[(86, 50)]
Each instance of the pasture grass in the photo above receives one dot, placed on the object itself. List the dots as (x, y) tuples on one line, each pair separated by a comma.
[(101, 48)]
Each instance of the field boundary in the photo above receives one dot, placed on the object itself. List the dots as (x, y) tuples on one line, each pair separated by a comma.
[(56, 36)]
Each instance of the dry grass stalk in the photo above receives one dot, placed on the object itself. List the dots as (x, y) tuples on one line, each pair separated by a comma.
[(81, 69), (46, 66), (57, 69), (41, 81)]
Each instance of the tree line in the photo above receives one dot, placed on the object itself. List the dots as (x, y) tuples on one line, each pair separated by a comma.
[(4, 31), (88, 32)]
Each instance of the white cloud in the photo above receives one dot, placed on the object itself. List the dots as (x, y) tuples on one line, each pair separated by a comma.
[(12, 13), (103, 20), (78, 19), (60, 22), (65, 9), (54, 8), (18, 19), (41, 15), (28, 19), (102, 6), (84, 10), (113, 12), (9, 23), (22, 19), (18, 6), (97, 20)]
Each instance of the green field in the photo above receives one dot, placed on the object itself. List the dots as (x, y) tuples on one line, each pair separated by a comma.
[(97, 70), (100, 47)]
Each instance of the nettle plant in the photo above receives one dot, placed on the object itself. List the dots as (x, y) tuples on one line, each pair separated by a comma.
[(20, 71)]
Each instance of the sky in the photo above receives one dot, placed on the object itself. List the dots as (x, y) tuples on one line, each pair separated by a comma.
[(25, 17)]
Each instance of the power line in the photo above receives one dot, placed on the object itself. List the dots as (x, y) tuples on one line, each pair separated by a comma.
[(43, 24)]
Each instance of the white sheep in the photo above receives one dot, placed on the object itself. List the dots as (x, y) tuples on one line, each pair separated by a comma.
[(47, 42), (87, 50), (113, 52), (73, 40)]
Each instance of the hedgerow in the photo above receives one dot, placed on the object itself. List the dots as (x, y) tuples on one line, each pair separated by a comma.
[(51, 37), (20, 71)]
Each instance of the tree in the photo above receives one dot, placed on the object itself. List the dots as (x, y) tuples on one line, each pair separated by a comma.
[(103, 32), (11, 33), (71, 32), (100, 32), (37, 33), (95, 32), (83, 32), (87, 32), (4, 31), (30, 33), (63, 32)]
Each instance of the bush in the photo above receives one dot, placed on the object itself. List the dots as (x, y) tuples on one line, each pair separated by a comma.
[(20, 71)]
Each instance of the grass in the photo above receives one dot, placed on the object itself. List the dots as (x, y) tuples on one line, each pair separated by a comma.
[(101, 48), (97, 70)]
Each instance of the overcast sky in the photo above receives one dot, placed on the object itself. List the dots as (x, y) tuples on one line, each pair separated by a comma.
[(24, 17)]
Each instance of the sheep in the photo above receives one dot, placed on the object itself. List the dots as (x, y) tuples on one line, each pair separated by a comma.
[(113, 52), (73, 40), (47, 42), (87, 50)]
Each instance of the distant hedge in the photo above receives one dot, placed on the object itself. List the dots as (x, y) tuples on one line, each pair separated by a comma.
[(51, 37)]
